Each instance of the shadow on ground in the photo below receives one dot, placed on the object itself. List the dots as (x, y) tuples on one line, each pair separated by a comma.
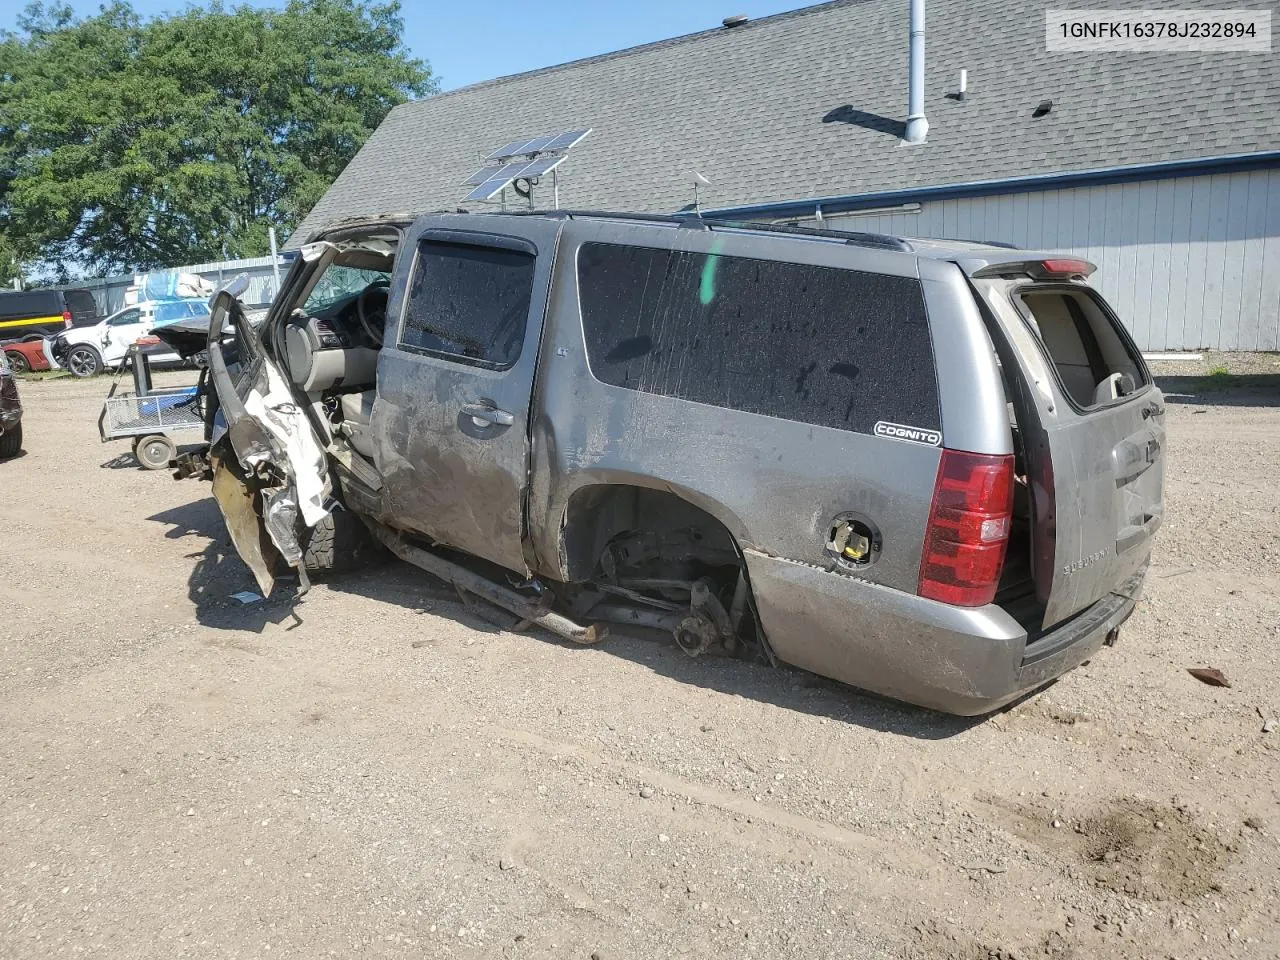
[(1222, 390), (218, 572)]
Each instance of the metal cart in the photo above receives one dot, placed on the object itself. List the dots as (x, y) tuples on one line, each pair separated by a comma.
[(150, 415)]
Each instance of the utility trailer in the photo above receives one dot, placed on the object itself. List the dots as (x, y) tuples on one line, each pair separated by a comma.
[(150, 416)]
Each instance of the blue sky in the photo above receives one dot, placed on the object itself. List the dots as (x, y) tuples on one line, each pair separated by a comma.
[(466, 42)]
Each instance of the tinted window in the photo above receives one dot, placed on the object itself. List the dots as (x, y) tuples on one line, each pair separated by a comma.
[(168, 312), (125, 318), (469, 302), (30, 303), (824, 345), (83, 307)]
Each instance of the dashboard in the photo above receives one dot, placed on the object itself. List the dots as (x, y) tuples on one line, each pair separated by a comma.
[(333, 349)]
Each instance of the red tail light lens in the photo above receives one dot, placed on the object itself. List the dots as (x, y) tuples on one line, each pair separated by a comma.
[(968, 531), (1067, 268), (66, 319)]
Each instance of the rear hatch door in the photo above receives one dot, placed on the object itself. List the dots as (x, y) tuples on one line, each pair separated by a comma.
[(1092, 429)]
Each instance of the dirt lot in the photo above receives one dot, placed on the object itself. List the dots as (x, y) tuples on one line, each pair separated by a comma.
[(386, 774)]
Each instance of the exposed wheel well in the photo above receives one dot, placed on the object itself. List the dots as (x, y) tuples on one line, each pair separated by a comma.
[(645, 548), (626, 525)]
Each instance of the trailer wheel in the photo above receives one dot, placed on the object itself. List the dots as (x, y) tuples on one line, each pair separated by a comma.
[(154, 451)]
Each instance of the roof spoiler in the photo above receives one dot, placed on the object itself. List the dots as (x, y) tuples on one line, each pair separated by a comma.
[(1039, 268)]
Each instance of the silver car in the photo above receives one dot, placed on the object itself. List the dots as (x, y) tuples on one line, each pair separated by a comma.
[(927, 469)]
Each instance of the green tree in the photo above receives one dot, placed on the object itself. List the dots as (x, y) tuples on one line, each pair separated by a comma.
[(132, 144)]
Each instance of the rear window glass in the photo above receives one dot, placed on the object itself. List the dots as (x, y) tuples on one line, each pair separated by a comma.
[(823, 345), (82, 305), (1095, 363), (469, 302)]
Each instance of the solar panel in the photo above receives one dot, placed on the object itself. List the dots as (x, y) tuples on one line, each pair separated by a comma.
[(520, 148), (566, 140), (487, 190), (525, 148), (536, 145), (483, 174), (542, 165), (511, 149), (537, 156)]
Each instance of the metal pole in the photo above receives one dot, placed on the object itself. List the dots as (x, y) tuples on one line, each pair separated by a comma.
[(555, 189), (917, 125), (275, 259)]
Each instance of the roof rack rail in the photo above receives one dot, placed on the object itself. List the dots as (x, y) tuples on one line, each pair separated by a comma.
[(694, 221), (851, 237)]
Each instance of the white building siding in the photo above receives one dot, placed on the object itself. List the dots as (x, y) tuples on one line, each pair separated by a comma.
[(1188, 263)]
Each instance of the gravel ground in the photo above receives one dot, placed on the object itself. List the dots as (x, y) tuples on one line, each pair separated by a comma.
[(380, 772)]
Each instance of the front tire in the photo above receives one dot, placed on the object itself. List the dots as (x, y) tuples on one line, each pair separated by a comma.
[(340, 542), (154, 451), (84, 361), (11, 442), (18, 361)]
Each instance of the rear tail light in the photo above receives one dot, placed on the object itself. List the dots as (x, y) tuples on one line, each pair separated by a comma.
[(1065, 267), (66, 319), (968, 530)]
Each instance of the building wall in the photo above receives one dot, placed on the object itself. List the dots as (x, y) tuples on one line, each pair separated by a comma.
[(1189, 263)]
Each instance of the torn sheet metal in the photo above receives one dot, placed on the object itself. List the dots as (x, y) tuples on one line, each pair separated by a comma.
[(235, 500)]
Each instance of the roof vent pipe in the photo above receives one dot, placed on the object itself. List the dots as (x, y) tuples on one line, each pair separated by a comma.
[(737, 20), (917, 125)]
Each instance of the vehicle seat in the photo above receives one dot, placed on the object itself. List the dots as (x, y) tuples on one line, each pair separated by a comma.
[(357, 410)]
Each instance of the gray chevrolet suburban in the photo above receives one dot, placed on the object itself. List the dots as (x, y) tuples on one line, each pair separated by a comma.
[(928, 469)]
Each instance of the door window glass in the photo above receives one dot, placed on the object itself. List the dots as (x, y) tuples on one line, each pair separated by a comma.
[(125, 318), (468, 302)]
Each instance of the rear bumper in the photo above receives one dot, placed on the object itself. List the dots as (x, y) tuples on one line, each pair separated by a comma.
[(964, 661)]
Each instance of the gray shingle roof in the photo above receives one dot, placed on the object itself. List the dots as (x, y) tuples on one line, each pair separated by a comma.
[(764, 111)]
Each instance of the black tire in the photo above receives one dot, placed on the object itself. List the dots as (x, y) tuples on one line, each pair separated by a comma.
[(11, 442), (154, 451), (339, 543), (84, 361), (18, 361)]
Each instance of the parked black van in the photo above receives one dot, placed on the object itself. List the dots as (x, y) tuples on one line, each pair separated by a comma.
[(44, 312)]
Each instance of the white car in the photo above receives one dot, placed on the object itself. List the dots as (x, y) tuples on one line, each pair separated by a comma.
[(87, 351)]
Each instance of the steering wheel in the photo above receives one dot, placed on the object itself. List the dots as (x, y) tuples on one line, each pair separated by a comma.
[(366, 312)]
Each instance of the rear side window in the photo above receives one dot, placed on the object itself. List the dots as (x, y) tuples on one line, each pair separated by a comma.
[(469, 303), (1095, 362), (823, 345)]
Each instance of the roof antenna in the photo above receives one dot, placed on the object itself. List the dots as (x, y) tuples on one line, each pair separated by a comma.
[(698, 179)]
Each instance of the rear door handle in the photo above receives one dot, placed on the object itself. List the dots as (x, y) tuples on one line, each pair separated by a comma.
[(487, 414)]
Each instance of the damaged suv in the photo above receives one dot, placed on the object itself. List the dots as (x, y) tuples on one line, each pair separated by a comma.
[(927, 469)]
